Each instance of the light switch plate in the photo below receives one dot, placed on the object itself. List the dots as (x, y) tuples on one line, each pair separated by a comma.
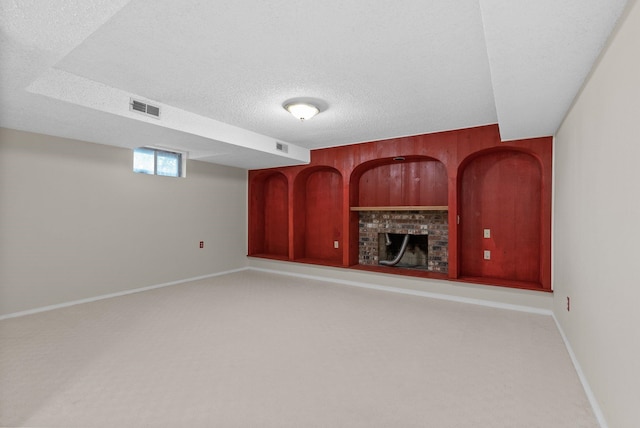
[(487, 233), (487, 255)]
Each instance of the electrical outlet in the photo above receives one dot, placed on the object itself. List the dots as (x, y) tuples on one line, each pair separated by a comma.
[(201, 244), (336, 244), (487, 255), (487, 233)]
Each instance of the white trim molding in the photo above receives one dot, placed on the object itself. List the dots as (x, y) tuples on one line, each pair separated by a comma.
[(117, 294), (595, 406), (420, 293)]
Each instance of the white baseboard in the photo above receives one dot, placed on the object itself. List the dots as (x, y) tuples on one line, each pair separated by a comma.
[(119, 293), (440, 296), (583, 379)]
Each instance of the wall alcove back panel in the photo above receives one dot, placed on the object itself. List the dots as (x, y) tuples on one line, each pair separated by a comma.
[(276, 216), (501, 191), (404, 183), (323, 216)]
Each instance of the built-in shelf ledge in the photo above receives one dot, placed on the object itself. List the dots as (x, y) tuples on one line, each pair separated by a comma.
[(404, 208)]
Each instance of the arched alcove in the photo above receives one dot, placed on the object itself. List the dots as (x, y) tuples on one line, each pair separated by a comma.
[(269, 215), (500, 208), (318, 215), (388, 188)]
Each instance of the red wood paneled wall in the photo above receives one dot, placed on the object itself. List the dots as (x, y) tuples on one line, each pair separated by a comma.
[(297, 213), (412, 182), (321, 191)]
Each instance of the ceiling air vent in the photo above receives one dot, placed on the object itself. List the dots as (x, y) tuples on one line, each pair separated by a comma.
[(145, 108), (282, 147)]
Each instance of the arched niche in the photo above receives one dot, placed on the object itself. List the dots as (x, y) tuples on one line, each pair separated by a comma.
[(318, 213), (413, 181), (500, 208), (269, 215)]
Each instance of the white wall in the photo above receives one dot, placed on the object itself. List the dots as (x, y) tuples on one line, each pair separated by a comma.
[(597, 227), (76, 222)]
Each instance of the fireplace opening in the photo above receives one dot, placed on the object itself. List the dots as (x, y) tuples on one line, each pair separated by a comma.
[(403, 250)]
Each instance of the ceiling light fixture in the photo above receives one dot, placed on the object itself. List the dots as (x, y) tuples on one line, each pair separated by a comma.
[(301, 110)]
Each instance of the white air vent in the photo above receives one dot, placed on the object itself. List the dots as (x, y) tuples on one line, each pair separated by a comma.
[(282, 147), (145, 108)]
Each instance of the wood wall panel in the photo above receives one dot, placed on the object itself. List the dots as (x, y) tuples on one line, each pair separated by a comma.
[(501, 191), (276, 216), (415, 182), (256, 222), (323, 225)]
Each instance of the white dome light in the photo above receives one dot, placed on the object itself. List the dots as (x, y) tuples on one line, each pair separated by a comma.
[(302, 111)]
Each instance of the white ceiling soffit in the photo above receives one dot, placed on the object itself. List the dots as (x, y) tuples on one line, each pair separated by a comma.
[(540, 53), (74, 89), (221, 70)]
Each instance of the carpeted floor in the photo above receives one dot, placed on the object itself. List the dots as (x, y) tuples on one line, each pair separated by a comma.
[(251, 349)]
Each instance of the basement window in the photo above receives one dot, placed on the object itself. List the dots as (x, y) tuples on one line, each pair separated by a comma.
[(152, 161)]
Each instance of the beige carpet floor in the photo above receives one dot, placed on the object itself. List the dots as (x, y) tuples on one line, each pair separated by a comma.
[(251, 349)]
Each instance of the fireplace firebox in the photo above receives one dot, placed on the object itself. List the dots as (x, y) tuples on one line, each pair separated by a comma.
[(403, 250), (426, 234)]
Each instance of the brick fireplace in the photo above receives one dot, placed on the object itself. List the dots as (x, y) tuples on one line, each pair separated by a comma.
[(430, 227)]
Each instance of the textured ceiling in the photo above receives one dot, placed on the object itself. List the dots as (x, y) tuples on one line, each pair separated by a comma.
[(220, 70)]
